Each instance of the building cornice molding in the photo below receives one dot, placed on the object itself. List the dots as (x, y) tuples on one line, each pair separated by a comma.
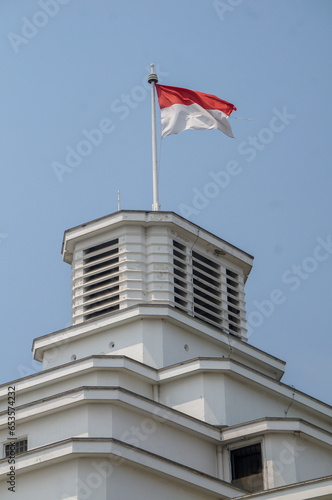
[(313, 489), (162, 413), (74, 368), (248, 374), (162, 312), (143, 217), (272, 425), (117, 395), (100, 447), (167, 374)]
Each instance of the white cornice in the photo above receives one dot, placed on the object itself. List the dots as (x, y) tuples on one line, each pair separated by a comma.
[(248, 374), (115, 395), (161, 413), (117, 219), (167, 374), (61, 337), (76, 368), (84, 447), (276, 425), (306, 490)]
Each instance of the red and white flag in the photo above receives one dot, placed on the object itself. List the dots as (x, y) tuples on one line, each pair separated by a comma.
[(182, 109)]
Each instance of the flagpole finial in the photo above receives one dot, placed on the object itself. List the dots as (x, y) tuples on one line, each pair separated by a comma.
[(153, 79), (152, 76)]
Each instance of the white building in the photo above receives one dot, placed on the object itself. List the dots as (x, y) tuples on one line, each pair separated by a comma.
[(154, 391)]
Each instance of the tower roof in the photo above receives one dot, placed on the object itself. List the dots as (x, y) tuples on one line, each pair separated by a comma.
[(117, 219)]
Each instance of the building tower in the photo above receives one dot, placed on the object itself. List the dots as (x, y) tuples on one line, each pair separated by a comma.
[(155, 391)]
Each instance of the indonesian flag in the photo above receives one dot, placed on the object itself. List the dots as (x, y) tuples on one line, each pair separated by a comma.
[(182, 109)]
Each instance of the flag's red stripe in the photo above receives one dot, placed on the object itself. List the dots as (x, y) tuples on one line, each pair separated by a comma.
[(167, 96)]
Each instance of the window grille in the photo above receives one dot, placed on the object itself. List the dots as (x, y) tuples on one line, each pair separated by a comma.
[(247, 471), (19, 447), (101, 279)]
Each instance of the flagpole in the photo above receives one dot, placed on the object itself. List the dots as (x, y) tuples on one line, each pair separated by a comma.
[(153, 79)]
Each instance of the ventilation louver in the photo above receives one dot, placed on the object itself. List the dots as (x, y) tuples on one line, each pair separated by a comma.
[(207, 290), (101, 279), (233, 302), (180, 275)]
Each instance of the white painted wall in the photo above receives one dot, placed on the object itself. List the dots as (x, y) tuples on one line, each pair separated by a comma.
[(123, 422), (311, 459), (185, 394), (145, 485), (176, 338), (56, 482), (293, 459), (147, 432), (245, 402)]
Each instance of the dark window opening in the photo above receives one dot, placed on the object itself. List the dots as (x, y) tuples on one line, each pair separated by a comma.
[(16, 447), (247, 471)]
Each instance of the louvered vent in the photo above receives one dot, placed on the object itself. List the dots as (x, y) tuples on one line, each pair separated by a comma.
[(180, 275), (101, 279), (207, 289), (233, 303)]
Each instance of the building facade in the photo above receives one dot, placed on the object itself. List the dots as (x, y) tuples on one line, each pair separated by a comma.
[(154, 391)]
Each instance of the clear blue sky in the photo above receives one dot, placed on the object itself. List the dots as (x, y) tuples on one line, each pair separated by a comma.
[(69, 65)]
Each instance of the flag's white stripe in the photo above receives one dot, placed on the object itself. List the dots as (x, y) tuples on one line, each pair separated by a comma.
[(179, 117)]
